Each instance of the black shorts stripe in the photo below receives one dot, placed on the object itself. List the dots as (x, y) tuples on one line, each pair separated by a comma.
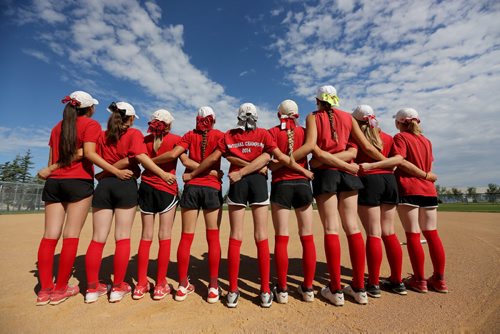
[(153, 201), (200, 197), (251, 190)]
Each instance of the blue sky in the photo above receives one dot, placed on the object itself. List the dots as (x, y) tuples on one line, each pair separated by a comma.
[(439, 57)]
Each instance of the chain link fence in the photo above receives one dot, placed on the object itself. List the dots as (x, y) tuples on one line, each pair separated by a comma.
[(20, 197), (28, 197)]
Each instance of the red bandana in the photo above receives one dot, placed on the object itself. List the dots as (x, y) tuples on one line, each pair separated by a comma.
[(157, 128), (288, 122), (204, 123)]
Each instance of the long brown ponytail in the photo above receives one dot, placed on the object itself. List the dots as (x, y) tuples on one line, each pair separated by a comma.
[(116, 124), (68, 139)]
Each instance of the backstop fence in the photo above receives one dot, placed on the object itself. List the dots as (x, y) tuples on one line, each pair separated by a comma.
[(28, 197)]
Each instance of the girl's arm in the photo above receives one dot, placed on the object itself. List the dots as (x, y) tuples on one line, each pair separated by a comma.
[(120, 164), (146, 161), (169, 156), (251, 167), (365, 145), (291, 163), (237, 161), (411, 169), (192, 165), (205, 164), (391, 162), (188, 163), (338, 160), (90, 153), (44, 173)]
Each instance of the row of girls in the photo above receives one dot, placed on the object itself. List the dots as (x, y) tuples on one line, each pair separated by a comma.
[(69, 188)]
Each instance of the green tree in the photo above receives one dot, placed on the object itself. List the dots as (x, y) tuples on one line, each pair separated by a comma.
[(25, 165), (492, 191), (471, 191)]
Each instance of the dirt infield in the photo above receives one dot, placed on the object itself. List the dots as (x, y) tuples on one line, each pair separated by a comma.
[(471, 242)]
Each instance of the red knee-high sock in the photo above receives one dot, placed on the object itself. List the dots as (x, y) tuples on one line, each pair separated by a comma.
[(281, 259), (213, 256), (183, 254), (122, 256), (264, 258), (93, 260), (357, 255), (416, 253), (374, 258), (143, 261), (66, 261), (332, 251), (394, 256), (163, 260), (233, 263), (46, 252), (308, 259), (436, 251)]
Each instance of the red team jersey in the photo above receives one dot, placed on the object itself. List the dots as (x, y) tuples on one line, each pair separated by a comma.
[(246, 145), (168, 143), (343, 125), (418, 151), (130, 144), (386, 151), (191, 142), (281, 139), (87, 130)]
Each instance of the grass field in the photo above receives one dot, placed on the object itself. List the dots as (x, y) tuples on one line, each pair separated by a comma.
[(470, 207)]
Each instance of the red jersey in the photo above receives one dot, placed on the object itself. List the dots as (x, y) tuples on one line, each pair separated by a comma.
[(246, 145), (343, 124), (87, 130), (168, 143), (192, 142), (386, 151), (418, 151), (130, 144), (281, 138)]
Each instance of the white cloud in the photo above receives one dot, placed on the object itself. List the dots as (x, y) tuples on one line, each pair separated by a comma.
[(440, 58), (37, 54)]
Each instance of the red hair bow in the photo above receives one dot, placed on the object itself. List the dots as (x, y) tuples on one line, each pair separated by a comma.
[(74, 102)]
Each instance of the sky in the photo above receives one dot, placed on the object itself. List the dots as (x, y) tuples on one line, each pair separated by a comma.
[(440, 57)]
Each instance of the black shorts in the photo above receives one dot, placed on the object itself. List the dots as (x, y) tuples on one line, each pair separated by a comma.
[(419, 201), (196, 197), (291, 193), (251, 189), (153, 201), (378, 189), (112, 193), (67, 190), (328, 181)]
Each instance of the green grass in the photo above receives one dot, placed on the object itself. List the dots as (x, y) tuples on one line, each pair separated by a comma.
[(469, 207)]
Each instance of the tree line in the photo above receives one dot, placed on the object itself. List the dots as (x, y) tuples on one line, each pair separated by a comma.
[(19, 169)]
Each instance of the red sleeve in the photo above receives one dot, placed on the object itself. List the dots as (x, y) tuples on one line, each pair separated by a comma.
[(137, 145), (91, 132), (221, 145), (52, 139), (185, 141), (269, 142), (399, 146)]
